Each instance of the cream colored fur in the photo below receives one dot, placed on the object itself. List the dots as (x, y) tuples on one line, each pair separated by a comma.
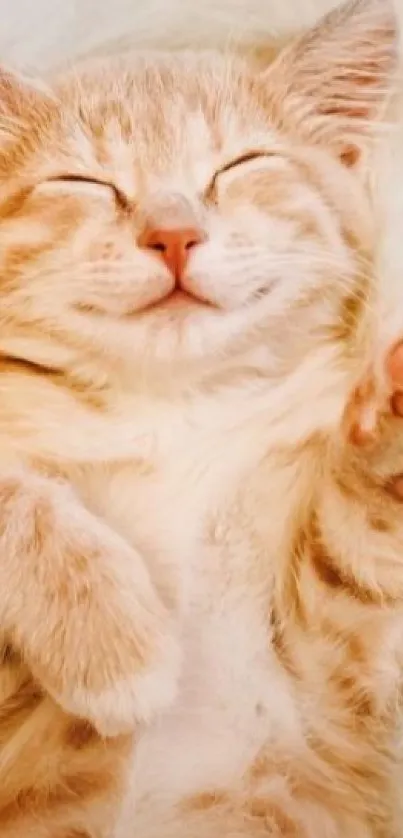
[(187, 457)]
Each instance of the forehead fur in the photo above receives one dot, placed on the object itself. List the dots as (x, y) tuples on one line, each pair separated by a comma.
[(167, 108), (145, 88)]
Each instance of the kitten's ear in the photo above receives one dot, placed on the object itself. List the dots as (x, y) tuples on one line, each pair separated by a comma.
[(332, 84), (21, 97)]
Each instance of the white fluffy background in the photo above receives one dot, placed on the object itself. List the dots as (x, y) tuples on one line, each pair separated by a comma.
[(42, 32)]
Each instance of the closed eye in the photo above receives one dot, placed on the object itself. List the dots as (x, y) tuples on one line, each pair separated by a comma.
[(244, 158), (237, 161), (120, 198)]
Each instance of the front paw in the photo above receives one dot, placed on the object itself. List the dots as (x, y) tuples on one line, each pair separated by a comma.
[(378, 396), (373, 421), (122, 653), (79, 605), (125, 687)]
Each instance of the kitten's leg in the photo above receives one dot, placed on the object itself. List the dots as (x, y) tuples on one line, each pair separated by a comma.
[(77, 602)]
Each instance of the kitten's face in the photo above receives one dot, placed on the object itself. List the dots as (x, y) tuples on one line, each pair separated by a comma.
[(171, 209)]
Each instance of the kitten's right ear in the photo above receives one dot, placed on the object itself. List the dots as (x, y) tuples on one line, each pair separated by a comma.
[(21, 98)]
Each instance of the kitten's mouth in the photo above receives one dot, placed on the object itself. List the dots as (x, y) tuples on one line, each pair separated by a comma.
[(178, 299)]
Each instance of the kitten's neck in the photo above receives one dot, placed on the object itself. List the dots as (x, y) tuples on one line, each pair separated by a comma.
[(86, 408)]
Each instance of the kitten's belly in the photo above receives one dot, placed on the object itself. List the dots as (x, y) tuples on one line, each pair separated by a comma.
[(217, 722), (233, 699)]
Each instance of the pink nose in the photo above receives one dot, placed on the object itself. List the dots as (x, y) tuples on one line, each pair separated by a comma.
[(173, 246)]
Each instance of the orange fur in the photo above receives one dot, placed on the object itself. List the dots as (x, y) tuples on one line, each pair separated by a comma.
[(146, 431)]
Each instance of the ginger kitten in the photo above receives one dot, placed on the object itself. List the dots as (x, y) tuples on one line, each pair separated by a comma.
[(187, 308)]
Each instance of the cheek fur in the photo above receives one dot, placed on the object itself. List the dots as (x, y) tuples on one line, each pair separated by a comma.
[(246, 256), (122, 288), (88, 262)]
